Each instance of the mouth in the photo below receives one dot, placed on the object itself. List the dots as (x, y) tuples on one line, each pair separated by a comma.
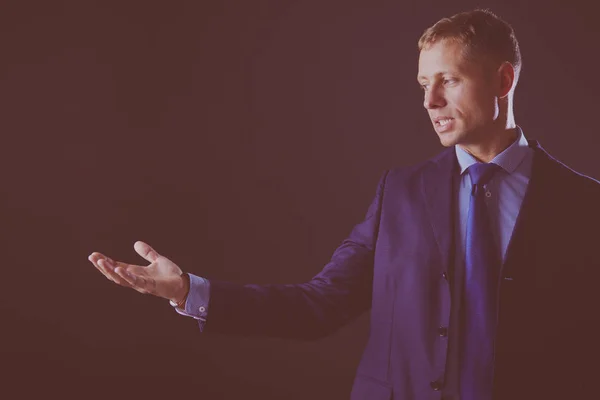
[(442, 121), (443, 124)]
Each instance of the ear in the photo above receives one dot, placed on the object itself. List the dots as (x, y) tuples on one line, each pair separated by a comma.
[(506, 73)]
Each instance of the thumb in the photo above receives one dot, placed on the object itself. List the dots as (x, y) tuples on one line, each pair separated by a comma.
[(146, 251)]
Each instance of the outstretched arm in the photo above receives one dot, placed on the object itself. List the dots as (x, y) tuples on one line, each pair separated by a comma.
[(336, 295)]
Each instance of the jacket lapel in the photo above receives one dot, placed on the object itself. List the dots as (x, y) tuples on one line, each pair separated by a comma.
[(532, 211), (437, 189)]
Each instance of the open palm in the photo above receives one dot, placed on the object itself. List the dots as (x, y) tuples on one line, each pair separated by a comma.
[(162, 277)]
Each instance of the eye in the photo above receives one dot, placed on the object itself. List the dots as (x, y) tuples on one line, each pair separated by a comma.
[(449, 81)]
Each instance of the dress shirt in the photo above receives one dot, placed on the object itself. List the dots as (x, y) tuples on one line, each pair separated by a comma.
[(196, 303)]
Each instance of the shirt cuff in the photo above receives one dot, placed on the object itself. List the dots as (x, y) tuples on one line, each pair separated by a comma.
[(196, 304)]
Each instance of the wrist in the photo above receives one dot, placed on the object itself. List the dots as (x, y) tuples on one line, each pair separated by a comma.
[(184, 288)]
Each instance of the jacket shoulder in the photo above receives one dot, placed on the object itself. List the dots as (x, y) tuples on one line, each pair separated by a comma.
[(572, 178), (413, 173)]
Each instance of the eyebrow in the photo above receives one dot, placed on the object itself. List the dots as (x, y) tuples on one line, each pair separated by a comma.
[(424, 78)]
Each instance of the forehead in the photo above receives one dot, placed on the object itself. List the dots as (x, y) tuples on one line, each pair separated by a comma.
[(443, 57)]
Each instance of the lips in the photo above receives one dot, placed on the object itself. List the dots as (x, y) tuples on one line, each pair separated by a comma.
[(442, 120), (443, 124)]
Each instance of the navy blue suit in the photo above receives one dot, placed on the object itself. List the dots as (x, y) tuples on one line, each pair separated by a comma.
[(399, 263)]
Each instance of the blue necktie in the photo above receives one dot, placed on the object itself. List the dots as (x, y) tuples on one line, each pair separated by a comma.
[(482, 265)]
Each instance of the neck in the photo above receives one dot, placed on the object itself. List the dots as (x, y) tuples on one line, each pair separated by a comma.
[(497, 143)]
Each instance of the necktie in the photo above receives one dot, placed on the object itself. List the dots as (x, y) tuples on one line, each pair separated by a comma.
[(482, 263)]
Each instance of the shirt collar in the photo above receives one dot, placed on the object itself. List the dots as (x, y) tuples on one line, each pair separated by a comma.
[(509, 159)]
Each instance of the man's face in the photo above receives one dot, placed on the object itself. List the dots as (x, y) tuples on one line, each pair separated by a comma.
[(458, 96)]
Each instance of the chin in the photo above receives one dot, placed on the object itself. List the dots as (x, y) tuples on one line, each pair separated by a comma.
[(448, 139), (451, 137)]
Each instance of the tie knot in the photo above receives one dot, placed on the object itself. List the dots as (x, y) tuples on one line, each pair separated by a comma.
[(482, 173)]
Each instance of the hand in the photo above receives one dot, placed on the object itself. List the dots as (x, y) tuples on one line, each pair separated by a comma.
[(161, 278)]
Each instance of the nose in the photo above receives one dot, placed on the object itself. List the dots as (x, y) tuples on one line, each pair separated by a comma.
[(433, 99)]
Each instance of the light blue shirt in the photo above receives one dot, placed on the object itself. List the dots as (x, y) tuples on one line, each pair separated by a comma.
[(504, 193), (196, 304)]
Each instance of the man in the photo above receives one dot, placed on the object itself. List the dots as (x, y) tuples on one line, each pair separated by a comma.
[(478, 265)]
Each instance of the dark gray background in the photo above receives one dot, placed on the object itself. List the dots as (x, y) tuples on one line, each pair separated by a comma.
[(241, 139)]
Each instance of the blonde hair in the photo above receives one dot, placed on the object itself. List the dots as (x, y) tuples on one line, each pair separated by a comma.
[(484, 36)]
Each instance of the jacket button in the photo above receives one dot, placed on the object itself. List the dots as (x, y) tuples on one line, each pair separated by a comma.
[(445, 276), (443, 331), (435, 385)]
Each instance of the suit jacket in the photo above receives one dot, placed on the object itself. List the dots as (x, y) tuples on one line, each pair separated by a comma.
[(398, 263)]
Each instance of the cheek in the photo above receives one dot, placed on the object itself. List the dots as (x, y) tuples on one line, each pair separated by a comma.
[(486, 103), (472, 105), (462, 102)]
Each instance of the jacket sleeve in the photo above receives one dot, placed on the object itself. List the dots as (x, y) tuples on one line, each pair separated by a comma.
[(336, 295)]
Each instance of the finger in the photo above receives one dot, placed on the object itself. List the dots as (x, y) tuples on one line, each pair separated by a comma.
[(138, 282), (94, 258), (108, 267), (146, 251)]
